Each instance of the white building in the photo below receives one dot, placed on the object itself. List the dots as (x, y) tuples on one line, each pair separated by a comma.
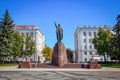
[(84, 48), (37, 37)]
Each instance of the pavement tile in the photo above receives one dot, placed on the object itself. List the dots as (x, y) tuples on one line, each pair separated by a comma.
[(59, 74)]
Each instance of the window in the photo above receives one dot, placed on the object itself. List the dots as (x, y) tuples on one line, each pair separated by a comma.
[(95, 34), (89, 33), (85, 47), (85, 52), (90, 59), (96, 53), (84, 33), (84, 40), (85, 59), (90, 53), (0, 28), (90, 40), (23, 34), (32, 34), (119, 33), (27, 34), (90, 46), (101, 59)]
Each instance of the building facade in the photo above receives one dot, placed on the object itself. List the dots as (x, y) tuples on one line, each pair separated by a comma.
[(84, 48), (37, 37)]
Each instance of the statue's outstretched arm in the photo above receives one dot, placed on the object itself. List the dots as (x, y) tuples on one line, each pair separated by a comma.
[(55, 25)]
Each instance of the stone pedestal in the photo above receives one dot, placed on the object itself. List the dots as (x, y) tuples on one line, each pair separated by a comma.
[(94, 65), (59, 57), (25, 64)]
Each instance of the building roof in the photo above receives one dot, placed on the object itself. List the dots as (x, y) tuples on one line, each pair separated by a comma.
[(26, 27), (92, 27)]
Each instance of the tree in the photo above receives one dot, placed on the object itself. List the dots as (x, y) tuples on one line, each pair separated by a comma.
[(102, 42), (47, 52), (116, 40), (29, 46), (6, 38), (18, 44), (70, 55)]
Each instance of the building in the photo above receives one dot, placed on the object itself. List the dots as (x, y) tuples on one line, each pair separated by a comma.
[(84, 48), (37, 37)]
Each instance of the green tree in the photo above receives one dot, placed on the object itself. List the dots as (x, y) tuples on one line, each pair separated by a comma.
[(47, 52), (18, 44), (102, 42), (6, 38), (29, 46), (116, 40), (70, 55)]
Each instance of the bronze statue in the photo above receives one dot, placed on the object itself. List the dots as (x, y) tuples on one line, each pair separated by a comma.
[(59, 32)]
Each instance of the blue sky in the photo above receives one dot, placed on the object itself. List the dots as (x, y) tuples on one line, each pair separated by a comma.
[(68, 13)]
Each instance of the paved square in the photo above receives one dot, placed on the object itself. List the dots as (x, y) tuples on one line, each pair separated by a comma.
[(59, 75)]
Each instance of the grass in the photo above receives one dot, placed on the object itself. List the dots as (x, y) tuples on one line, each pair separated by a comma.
[(8, 64), (115, 65)]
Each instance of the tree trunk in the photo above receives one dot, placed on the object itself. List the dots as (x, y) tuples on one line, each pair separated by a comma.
[(104, 58), (14, 59), (3, 60)]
